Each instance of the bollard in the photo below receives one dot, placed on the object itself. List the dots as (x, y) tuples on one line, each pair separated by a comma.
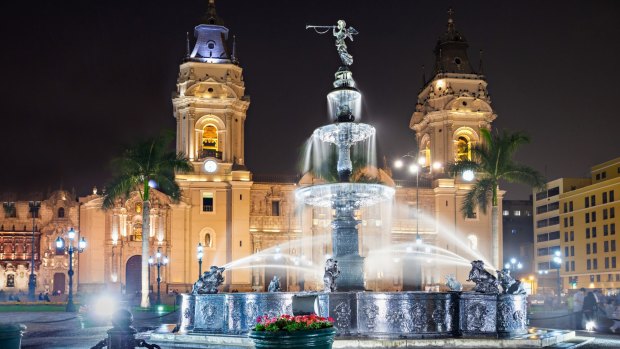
[(11, 336), (122, 334)]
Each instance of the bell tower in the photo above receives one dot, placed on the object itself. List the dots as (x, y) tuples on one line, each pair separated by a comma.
[(210, 108), (453, 105), (210, 104)]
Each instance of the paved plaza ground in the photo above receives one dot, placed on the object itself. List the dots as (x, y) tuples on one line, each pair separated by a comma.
[(52, 330)]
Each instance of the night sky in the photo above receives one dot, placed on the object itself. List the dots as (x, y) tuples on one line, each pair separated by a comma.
[(82, 80)]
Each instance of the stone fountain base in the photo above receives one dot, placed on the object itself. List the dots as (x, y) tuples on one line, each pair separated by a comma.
[(379, 315)]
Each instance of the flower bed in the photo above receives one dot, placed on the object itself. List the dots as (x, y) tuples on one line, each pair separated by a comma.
[(293, 332)]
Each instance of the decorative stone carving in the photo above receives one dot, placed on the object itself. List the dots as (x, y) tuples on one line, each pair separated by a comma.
[(331, 274), (209, 281), (485, 282), (370, 311), (453, 284), (418, 317), (508, 283), (343, 317), (476, 314)]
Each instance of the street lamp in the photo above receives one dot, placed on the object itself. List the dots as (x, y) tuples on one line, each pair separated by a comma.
[(60, 244), (32, 280), (200, 255), (150, 260), (159, 262), (557, 259), (513, 265)]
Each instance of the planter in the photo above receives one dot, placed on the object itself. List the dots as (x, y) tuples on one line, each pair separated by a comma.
[(303, 339), (11, 335)]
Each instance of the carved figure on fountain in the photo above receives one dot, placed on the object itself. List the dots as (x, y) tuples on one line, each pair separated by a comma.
[(274, 285), (453, 284), (485, 281), (209, 281), (331, 274), (508, 283)]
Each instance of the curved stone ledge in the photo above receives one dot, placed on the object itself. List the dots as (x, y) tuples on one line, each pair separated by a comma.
[(366, 314)]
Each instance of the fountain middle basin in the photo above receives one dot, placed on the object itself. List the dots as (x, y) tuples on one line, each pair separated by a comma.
[(365, 314)]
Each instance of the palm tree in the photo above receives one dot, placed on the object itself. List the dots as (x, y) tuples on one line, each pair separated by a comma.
[(493, 161), (147, 164)]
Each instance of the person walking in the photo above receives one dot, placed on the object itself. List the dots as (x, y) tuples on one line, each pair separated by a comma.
[(612, 310), (578, 308), (589, 307)]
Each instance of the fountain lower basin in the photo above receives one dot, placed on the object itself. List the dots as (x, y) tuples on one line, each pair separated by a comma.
[(366, 314)]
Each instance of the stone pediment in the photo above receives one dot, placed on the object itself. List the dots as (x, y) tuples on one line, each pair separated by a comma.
[(210, 89)]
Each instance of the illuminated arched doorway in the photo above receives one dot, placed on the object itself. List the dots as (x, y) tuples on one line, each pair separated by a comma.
[(133, 279), (463, 148)]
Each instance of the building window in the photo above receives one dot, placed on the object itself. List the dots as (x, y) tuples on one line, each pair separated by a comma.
[(605, 197), (567, 266), (572, 251), (612, 212), (598, 176), (566, 252), (613, 245), (565, 207), (571, 221), (565, 222), (542, 223), (209, 138), (544, 251), (207, 202), (505, 212), (613, 262), (61, 213), (598, 278), (611, 196), (587, 217), (587, 248), (541, 209), (541, 195), (587, 233), (517, 213), (554, 235), (589, 264), (603, 175), (593, 217), (570, 206), (543, 266), (208, 240), (572, 235), (605, 213), (572, 265), (473, 215), (565, 236), (605, 230), (612, 228), (606, 246), (542, 237), (463, 149), (275, 208), (553, 191), (594, 250), (593, 200), (594, 263)]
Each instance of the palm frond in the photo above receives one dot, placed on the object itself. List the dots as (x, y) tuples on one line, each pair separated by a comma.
[(479, 196), (522, 174)]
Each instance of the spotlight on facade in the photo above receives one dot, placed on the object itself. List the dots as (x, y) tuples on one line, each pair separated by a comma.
[(436, 165), (413, 168), (398, 163)]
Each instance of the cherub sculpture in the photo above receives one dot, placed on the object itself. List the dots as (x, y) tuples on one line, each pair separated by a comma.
[(331, 274), (485, 282), (209, 281), (452, 283), (274, 285)]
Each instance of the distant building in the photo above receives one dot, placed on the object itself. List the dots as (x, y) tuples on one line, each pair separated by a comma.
[(589, 231), (547, 230), (58, 212), (517, 221)]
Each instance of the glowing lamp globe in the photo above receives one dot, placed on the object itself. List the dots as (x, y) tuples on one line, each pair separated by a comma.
[(468, 175)]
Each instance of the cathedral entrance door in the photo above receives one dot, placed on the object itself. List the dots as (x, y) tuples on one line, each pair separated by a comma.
[(280, 272), (59, 283), (133, 280)]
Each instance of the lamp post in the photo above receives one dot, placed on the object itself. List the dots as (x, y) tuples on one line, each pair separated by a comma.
[(159, 261), (32, 280), (513, 265), (557, 259), (200, 255), (60, 244), (415, 168)]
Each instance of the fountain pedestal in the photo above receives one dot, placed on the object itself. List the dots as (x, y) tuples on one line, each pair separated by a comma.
[(345, 245)]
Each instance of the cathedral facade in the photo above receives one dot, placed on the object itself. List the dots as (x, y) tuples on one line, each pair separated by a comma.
[(253, 226)]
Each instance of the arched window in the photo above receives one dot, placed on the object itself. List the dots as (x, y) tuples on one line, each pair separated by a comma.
[(208, 240), (209, 138), (61, 212), (463, 148)]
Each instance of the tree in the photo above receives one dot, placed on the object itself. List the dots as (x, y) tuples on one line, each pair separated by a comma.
[(493, 161), (148, 164)]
